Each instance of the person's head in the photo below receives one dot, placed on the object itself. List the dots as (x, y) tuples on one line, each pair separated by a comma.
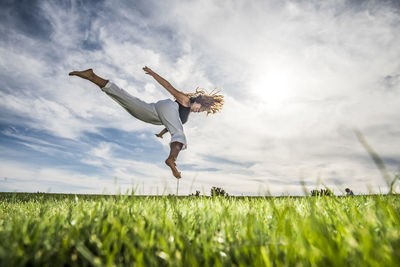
[(347, 190), (201, 101)]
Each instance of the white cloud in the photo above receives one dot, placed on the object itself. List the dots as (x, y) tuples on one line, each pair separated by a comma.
[(24, 178), (297, 76), (307, 74)]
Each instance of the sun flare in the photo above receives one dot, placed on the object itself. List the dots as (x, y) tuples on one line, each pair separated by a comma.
[(272, 88)]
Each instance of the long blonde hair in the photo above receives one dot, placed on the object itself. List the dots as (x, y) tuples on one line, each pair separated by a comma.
[(212, 102)]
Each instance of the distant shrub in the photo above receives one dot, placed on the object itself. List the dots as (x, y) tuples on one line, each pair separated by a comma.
[(349, 192), (197, 194), (218, 191), (322, 192)]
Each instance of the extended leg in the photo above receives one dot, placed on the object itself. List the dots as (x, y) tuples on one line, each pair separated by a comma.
[(170, 161), (91, 76)]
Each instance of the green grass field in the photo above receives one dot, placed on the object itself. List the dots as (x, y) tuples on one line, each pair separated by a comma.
[(56, 230)]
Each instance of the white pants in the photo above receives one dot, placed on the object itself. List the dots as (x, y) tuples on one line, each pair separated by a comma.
[(164, 112)]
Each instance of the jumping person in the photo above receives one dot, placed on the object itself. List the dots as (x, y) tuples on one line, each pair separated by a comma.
[(164, 112)]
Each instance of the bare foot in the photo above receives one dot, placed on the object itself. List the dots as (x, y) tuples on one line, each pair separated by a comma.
[(85, 74), (171, 163)]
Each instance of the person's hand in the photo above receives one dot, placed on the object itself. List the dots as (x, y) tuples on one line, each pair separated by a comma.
[(159, 135), (147, 70)]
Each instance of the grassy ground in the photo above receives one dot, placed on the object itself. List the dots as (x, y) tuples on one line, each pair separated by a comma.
[(37, 229)]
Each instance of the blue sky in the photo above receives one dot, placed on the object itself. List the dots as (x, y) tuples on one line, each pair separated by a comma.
[(298, 78)]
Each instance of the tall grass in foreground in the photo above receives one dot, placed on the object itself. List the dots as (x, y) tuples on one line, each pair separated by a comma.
[(169, 231)]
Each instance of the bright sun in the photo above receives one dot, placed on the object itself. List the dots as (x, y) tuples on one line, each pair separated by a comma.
[(272, 88)]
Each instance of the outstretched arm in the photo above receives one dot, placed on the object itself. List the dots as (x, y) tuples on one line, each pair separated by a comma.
[(179, 96)]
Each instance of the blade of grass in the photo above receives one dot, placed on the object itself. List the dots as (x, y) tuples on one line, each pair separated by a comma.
[(377, 160)]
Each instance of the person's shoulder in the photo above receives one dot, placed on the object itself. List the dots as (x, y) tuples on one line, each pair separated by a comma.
[(183, 99), (182, 106)]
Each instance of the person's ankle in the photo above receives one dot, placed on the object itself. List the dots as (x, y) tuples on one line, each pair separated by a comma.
[(170, 159)]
